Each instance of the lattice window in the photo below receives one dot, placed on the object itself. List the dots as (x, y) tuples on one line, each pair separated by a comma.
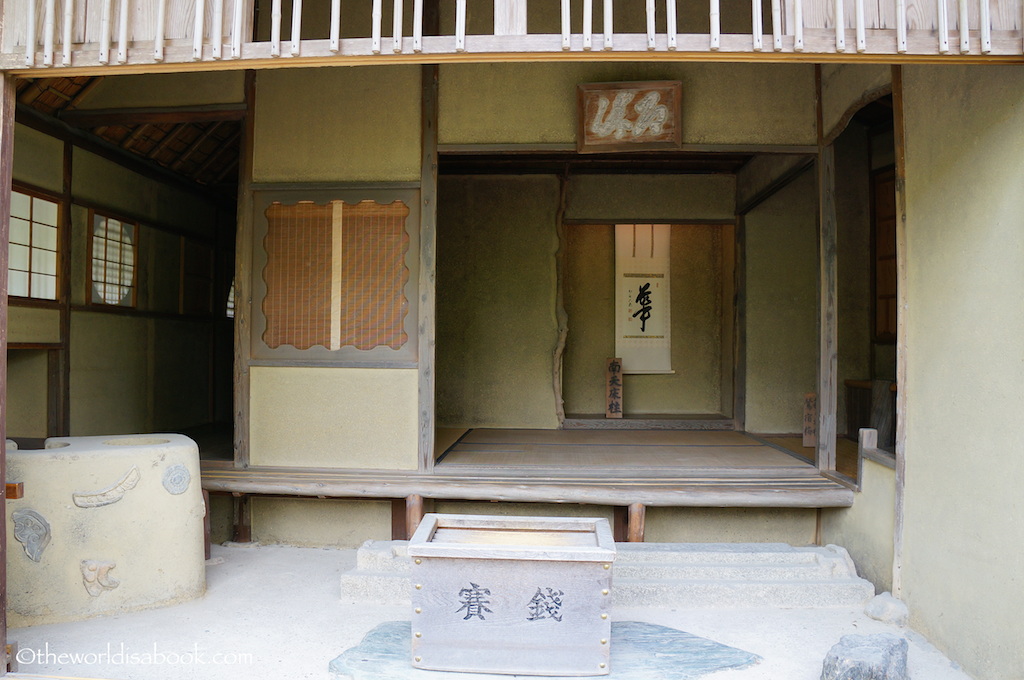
[(33, 250), (336, 274), (113, 261)]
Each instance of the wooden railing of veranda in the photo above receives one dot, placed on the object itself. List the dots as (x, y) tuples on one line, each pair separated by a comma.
[(144, 35)]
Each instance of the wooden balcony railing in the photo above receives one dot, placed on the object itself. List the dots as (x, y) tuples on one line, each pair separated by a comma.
[(86, 35)]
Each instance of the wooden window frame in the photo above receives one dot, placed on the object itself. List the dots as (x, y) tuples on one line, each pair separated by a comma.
[(877, 336), (29, 300), (90, 301), (378, 357)]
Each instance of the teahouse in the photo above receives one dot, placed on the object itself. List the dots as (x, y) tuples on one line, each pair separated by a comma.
[(373, 245)]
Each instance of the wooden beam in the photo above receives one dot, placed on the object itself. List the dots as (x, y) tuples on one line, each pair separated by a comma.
[(135, 136), (428, 266), (156, 116), (243, 280), (167, 139), (7, 106), (637, 517), (34, 89), (83, 93), (225, 146)]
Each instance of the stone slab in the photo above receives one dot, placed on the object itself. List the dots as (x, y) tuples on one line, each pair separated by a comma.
[(639, 651)]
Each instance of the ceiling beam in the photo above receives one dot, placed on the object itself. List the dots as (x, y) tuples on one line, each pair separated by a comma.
[(84, 118)]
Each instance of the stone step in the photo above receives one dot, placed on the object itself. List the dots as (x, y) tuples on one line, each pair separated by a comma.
[(667, 575)]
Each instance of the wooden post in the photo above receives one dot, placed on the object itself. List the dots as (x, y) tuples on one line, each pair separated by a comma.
[(757, 24), (840, 27), (336, 23), (236, 29), (608, 24), (69, 20), (396, 26), (158, 39), (460, 25), (651, 30), (104, 30), (715, 18), (777, 25), (588, 24), (428, 264), (828, 340), (901, 26), (275, 29), (48, 23), (986, 28), (197, 30), (943, 27), (862, 42), (964, 26), (671, 25), (566, 25), (217, 30), (7, 104), (206, 524), (798, 25), (296, 28), (243, 519), (243, 280), (413, 513), (899, 142), (637, 516)]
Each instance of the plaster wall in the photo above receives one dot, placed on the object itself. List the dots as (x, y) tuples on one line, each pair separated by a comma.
[(312, 522), (167, 90), (338, 125), (963, 544), (38, 158), (100, 182), (866, 528), (536, 103), (26, 399), (846, 87), (782, 307), (334, 417), (651, 197), (496, 285), (795, 526), (32, 324), (101, 499)]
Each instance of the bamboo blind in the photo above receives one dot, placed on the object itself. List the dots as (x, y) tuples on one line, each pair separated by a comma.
[(336, 275)]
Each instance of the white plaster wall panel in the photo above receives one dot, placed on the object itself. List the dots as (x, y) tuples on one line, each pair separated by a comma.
[(107, 525)]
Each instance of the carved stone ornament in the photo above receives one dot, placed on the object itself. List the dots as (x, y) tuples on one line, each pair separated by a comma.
[(32, 531), (111, 494), (176, 479), (96, 576)]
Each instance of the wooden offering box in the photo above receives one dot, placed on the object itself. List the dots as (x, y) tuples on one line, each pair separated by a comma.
[(515, 595)]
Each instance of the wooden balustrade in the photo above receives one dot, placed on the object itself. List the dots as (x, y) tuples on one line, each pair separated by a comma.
[(79, 34)]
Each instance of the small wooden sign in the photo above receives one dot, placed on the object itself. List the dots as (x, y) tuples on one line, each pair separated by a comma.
[(810, 420), (613, 388), (629, 116)]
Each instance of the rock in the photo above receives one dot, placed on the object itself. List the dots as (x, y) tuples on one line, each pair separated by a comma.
[(888, 609), (867, 657)]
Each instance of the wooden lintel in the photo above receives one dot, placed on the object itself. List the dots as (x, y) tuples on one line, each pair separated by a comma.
[(86, 118), (14, 491)]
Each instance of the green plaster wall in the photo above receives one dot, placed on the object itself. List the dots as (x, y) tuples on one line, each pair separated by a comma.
[(697, 279), (795, 526), (866, 529), (845, 86), (312, 522), (38, 158), (338, 125), (104, 183), (536, 103), (651, 197), (496, 283), (782, 307), (32, 324), (167, 90), (26, 392), (963, 543)]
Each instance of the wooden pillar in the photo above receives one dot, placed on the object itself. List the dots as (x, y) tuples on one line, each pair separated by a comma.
[(828, 336), (428, 250), (7, 103), (899, 139), (243, 518), (413, 514), (243, 279), (620, 523), (206, 523), (637, 515)]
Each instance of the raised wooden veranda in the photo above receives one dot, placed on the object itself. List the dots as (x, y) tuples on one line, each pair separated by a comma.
[(76, 36)]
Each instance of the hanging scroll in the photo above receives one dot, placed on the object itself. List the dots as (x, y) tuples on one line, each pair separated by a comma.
[(643, 303)]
